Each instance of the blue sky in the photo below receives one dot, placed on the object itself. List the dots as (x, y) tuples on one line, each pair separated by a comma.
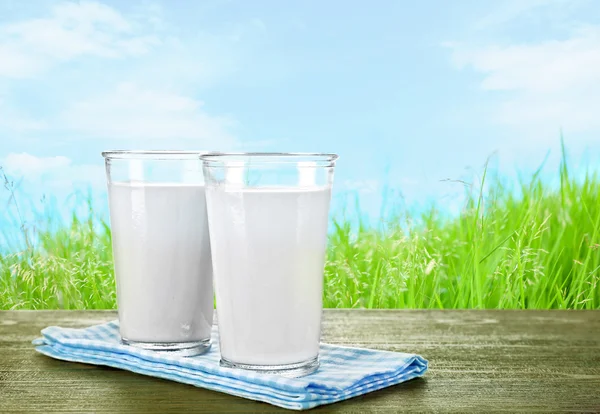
[(408, 93)]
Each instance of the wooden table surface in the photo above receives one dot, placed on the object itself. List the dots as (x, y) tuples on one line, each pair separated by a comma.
[(480, 361)]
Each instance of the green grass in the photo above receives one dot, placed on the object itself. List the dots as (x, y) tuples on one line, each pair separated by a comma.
[(538, 247)]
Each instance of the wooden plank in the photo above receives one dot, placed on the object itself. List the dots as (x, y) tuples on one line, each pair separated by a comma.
[(496, 361)]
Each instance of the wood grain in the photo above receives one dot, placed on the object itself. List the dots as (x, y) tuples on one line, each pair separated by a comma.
[(480, 361)]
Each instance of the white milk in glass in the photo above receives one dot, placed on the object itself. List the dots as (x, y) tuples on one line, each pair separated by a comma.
[(268, 247), (162, 260)]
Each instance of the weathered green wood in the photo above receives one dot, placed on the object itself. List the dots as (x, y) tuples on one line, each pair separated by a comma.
[(511, 361)]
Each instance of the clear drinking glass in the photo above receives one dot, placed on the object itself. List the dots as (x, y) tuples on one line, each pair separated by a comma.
[(161, 249), (268, 216)]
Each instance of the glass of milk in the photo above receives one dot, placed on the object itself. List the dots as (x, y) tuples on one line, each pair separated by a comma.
[(268, 216), (161, 250)]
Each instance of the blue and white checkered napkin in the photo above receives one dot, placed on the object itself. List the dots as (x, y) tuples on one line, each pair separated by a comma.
[(344, 372)]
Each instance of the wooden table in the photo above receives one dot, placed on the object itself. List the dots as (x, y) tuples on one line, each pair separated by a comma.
[(480, 361)]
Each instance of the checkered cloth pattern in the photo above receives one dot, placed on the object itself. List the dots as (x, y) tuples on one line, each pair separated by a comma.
[(344, 372)]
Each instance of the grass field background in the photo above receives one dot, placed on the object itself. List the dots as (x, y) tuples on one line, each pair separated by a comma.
[(535, 246)]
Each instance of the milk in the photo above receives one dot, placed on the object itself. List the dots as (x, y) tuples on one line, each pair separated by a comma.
[(268, 247), (162, 262)]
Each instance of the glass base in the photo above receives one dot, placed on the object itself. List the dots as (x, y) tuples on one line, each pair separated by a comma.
[(296, 370), (185, 349)]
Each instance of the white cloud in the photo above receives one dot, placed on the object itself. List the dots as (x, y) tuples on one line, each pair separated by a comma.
[(509, 10), (550, 84), (30, 166), (74, 29), (547, 67), (131, 112), (95, 97), (52, 173)]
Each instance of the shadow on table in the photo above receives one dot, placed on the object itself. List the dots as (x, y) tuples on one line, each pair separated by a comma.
[(91, 387)]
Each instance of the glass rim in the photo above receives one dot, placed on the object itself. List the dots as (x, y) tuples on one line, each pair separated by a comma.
[(153, 154), (234, 158)]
